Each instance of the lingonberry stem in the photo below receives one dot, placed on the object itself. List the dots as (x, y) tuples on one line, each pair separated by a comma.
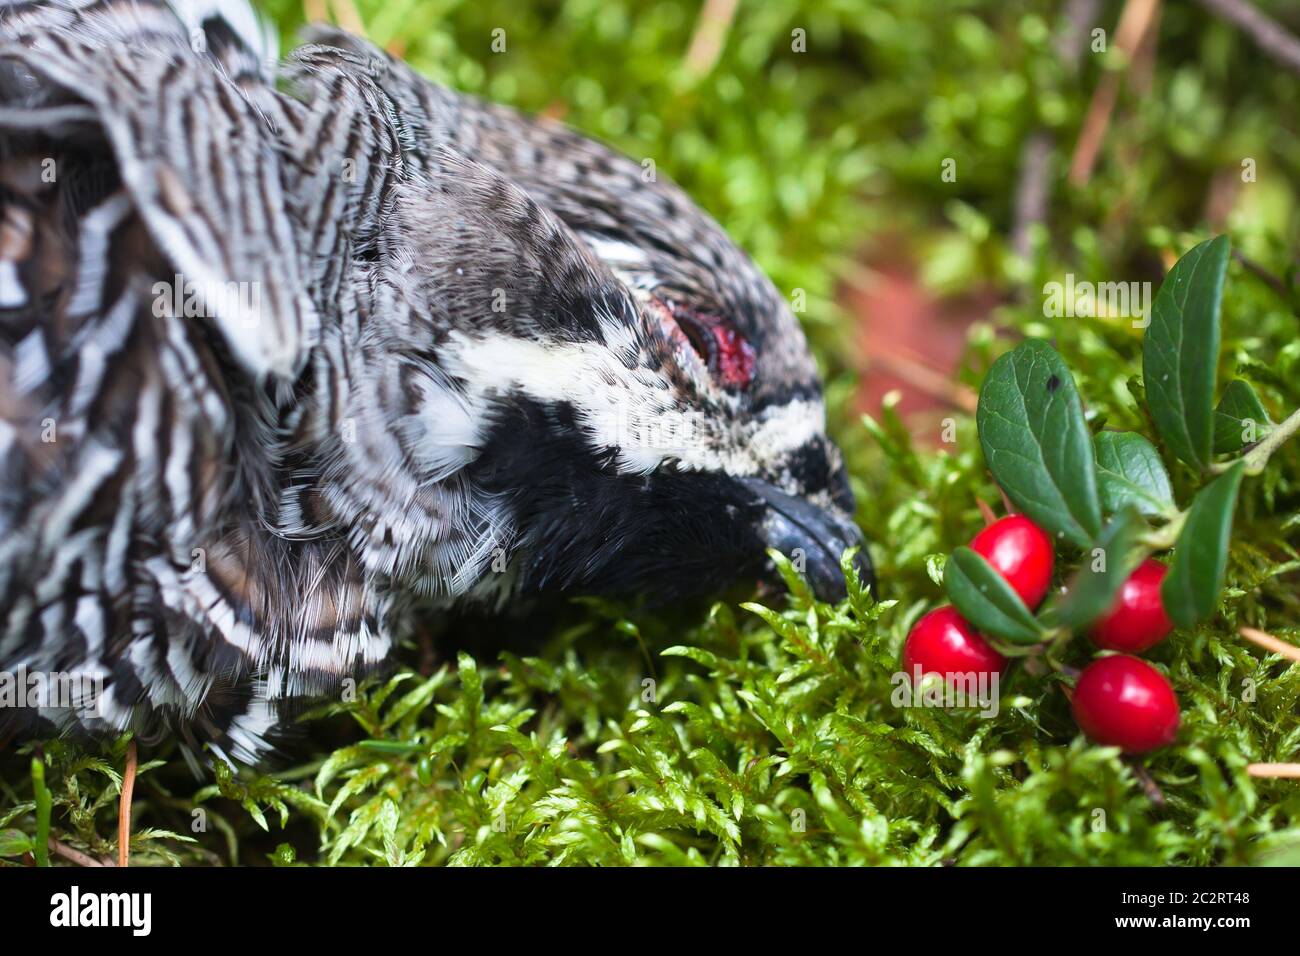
[(1255, 459), (1161, 539), (1258, 456)]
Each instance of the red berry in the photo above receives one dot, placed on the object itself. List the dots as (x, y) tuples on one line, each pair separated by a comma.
[(1137, 620), (943, 642), (1124, 702), (1021, 552)]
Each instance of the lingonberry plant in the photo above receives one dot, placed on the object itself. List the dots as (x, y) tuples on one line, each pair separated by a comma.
[(1124, 702), (1107, 498), (942, 642), (1021, 552), (1137, 620)]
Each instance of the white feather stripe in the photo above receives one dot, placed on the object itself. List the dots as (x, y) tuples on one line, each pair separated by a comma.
[(12, 293), (95, 463), (93, 246), (628, 410), (192, 684), (196, 597)]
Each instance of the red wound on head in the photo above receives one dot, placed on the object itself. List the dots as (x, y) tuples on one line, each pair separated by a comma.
[(735, 357), (730, 358)]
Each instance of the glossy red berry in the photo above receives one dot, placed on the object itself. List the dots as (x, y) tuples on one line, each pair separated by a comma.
[(943, 642), (1021, 552), (1124, 702), (1137, 620)]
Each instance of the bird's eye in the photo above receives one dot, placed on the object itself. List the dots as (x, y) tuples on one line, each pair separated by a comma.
[(724, 351)]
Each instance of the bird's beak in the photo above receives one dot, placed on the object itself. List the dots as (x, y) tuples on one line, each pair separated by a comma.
[(796, 527)]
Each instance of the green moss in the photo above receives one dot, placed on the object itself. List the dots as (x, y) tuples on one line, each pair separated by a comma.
[(766, 733)]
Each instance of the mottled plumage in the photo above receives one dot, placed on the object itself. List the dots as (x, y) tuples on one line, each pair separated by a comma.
[(291, 353)]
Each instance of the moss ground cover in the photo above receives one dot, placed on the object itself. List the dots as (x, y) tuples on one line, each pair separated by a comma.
[(761, 730)]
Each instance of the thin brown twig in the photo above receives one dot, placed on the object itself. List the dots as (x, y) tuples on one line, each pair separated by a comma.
[(348, 17), (1271, 643), (1274, 770), (1142, 68), (925, 379), (1006, 502), (1269, 35), (1073, 40), (1269, 279), (1134, 22), (124, 806), (428, 655), (74, 856), (1032, 193), (1034, 189), (710, 34), (1149, 785)]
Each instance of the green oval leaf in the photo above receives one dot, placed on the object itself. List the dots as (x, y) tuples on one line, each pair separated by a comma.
[(1036, 442), (14, 843), (1130, 472), (1181, 348), (986, 600), (1191, 590), (1104, 570), (1240, 419)]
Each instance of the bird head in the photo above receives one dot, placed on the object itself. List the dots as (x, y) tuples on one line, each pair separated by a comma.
[(616, 422)]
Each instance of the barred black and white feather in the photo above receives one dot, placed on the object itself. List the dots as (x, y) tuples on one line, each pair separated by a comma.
[(290, 354)]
